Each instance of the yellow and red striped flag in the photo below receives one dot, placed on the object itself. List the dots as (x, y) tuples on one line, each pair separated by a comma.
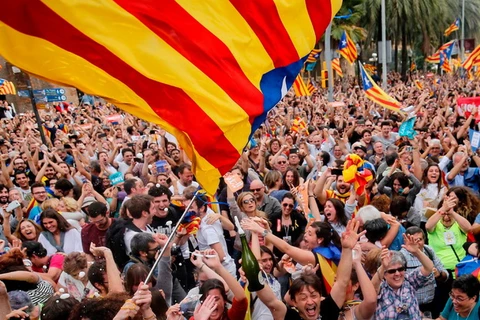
[(314, 55), (347, 48), (371, 69), (311, 87), (469, 62), (413, 66), (336, 66), (7, 87), (376, 94), (434, 58), (206, 71), (444, 63), (300, 87), (418, 84), (453, 27)]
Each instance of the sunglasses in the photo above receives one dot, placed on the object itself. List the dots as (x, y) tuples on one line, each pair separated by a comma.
[(393, 271), (247, 201), (281, 162), (289, 205), (256, 190)]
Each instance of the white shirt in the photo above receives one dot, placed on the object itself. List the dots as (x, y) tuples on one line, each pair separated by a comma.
[(71, 243), (182, 188)]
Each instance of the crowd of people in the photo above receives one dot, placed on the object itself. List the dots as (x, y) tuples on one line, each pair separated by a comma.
[(347, 218)]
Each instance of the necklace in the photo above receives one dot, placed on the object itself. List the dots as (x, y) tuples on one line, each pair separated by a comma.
[(468, 317)]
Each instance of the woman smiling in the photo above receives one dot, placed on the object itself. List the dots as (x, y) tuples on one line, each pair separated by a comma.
[(58, 235)]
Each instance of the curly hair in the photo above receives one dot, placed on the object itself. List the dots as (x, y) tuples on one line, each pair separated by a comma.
[(468, 205), (13, 258)]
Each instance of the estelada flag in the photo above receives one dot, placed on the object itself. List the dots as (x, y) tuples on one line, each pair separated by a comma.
[(376, 94), (453, 27), (206, 71), (7, 87), (347, 48)]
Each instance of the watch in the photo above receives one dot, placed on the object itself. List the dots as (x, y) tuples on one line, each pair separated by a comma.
[(265, 232)]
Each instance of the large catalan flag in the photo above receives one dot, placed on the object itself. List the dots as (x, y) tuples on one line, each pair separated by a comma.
[(453, 27), (472, 57), (376, 94), (337, 67), (446, 47), (347, 48), (7, 87), (300, 88), (206, 71)]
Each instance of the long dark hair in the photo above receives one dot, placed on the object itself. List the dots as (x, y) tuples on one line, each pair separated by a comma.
[(339, 211), (62, 223), (468, 205), (425, 176), (296, 178), (325, 231)]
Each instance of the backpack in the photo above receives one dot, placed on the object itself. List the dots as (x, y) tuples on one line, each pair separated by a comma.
[(114, 239)]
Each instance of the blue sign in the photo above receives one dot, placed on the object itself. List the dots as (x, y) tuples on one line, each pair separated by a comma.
[(40, 99), (50, 95), (23, 93)]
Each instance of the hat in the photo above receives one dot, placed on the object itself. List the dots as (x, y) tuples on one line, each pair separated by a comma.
[(359, 145), (88, 201)]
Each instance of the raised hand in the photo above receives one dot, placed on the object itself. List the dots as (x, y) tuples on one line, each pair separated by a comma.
[(251, 225), (410, 244), (174, 313), (211, 259), (143, 297), (204, 310), (386, 257), (350, 236)]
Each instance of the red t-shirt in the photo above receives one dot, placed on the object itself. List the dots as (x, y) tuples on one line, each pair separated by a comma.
[(91, 234), (56, 261), (236, 312)]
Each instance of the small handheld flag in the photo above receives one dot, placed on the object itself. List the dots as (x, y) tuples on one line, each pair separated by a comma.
[(300, 87), (7, 87)]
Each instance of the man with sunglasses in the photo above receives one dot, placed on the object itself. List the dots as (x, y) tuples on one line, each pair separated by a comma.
[(144, 250), (266, 203)]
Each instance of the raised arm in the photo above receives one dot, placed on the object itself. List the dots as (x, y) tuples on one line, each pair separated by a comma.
[(367, 307)]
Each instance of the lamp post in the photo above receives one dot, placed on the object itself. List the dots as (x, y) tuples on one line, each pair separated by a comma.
[(16, 70), (462, 49), (384, 48), (374, 59), (359, 52)]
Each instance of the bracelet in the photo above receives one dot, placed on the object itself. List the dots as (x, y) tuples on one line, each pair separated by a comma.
[(311, 196), (201, 267), (153, 316)]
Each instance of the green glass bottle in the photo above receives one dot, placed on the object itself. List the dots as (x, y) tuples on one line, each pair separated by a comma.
[(249, 263)]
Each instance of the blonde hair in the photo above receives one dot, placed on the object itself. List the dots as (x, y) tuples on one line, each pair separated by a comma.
[(240, 198), (50, 203), (70, 204)]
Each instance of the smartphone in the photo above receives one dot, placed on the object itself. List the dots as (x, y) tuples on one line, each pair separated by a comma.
[(293, 150), (102, 135), (12, 206), (131, 145), (409, 149), (137, 159), (337, 172)]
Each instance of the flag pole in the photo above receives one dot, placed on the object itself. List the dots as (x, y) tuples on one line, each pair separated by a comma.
[(172, 234), (328, 57)]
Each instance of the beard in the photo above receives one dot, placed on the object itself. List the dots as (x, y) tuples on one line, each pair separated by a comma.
[(3, 200)]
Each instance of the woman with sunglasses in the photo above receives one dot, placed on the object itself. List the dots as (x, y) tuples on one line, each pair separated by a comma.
[(396, 289), (244, 207), (290, 224)]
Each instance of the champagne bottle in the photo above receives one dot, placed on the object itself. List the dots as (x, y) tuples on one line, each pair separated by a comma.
[(249, 263)]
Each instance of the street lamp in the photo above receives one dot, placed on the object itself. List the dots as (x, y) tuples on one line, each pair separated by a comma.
[(374, 58)]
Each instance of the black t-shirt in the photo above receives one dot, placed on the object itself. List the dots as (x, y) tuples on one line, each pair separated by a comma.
[(328, 310), (159, 225)]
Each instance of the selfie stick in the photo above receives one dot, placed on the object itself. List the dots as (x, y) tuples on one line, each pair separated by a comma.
[(170, 238)]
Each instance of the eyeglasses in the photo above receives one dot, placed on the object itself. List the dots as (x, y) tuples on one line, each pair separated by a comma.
[(256, 190), (40, 192), (154, 249), (247, 201), (289, 205), (393, 271), (458, 298)]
